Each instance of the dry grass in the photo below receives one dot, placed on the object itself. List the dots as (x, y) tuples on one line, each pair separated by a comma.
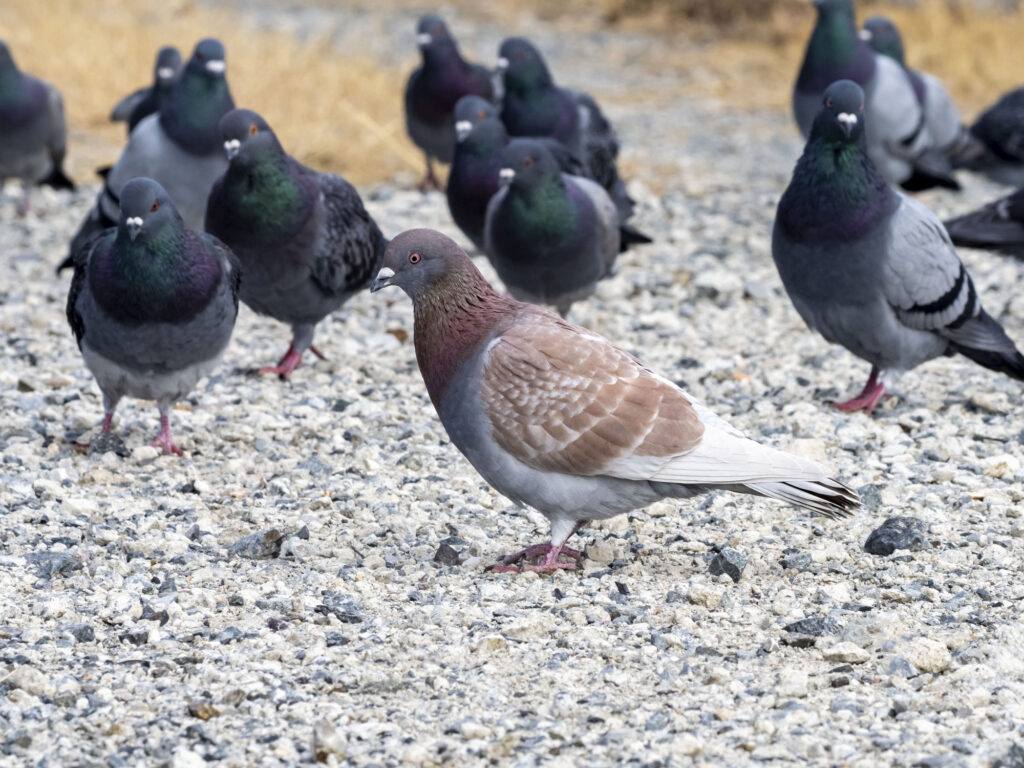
[(332, 111)]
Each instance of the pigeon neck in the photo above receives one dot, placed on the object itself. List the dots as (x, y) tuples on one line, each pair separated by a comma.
[(191, 115), (454, 317), (836, 193), (545, 209), (268, 197), (442, 57), (835, 52), (487, 139)]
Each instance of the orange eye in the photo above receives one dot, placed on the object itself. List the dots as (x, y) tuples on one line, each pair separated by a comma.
[(415, 258), (828, 103), (481, 115), (156, 205), (528, 161), (253, 129)]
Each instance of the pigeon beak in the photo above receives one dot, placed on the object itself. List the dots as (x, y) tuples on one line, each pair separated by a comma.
[(462, 129), (383, 279), (165, 73), (134, 225), (846, 122), (502, 65), (424, 39), (505, 176), (231, 147), (865, 35), (217, 66)]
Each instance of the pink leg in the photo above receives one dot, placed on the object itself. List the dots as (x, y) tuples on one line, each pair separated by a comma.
[(23, 206), (549, 552), (288, 363), (317, 352), (429, 180), (868, 397), (164, 441), (108, 420)]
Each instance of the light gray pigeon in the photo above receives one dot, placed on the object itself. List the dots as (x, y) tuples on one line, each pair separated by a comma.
[(558, 418), (871, 269), (550, 236), (998, 149), (152, 305), (899, 139), (304, 239), (180, 147), (32, 131), (145, 101)]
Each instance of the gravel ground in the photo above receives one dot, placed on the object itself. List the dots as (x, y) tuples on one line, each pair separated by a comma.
[(310, 581)]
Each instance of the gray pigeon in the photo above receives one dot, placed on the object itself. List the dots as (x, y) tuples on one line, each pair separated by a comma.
[(305, 242), (998, 226), (899, 140), (32, 132), (152, 305), (433, 90), (180, 147), (871, 269), (145, 101), (948, 132), (558, 418), (549, 236), (998, 149)]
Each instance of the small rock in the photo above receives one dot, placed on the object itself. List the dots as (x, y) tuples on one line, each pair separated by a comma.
[(259, 546), (792, 684), (730, 562), (108, 442), (187, 758), (798, 562), (446, 554), (136, 635), (926, 654), (1014, 758), (30, 680), (334, 639), (346, 609), (708, 597), (896, 533), (50, 564), (814, 626), (83, 633), (900, 667), (846, 652), (204, 710), (328, 741)]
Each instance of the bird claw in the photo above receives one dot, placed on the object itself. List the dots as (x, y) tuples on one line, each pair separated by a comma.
[(286, 365), (165, 443), (549, 564), (866, 401)]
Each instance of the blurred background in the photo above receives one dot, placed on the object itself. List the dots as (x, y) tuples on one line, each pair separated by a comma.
[(329, 75)]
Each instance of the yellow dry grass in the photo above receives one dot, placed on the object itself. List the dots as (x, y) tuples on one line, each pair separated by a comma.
[(334, 112)]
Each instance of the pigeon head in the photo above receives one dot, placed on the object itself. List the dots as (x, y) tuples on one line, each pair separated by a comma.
[(834, 7), (432, 34), (470, 111), (881, 34), (523, 66), (419, 259), (526, 163), (146, 210), (841, 118), (246, 135), (209, 58), (7, 65), (168, 65)]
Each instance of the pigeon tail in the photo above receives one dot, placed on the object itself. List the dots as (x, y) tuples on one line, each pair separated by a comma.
[(827, 497), (985, 342), (931, 169), (630, 236), (58, 180)]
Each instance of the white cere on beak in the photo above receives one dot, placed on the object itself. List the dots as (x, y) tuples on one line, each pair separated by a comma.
[(865, 35), (462, 129), (231, 146), (502, 64), (386, 273), (505, 175), (424, 39), (165, 73), (216, 66), (846, 117), (133, 221)]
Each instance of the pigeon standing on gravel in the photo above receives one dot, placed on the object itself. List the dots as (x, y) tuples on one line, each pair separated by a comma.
[(145, 101), (558, 418), (535, 106), (998, 151), (550, 236), (304, 239), (152, 305), (899, 140), (32, 132), (433, 90), (945, 125), (180, 147), (998, 226), (872, 269)]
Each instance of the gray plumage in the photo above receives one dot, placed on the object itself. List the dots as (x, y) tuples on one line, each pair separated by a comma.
[(152, 304), (998, 147), (33, 136), (145, 101), (305, 241)]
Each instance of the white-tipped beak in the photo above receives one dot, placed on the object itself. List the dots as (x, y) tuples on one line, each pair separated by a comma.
[(383, 279), (502, 64), (134, 225), (847, 121), (217, 66), (462, 129), (165, 73), (865, 35), (231, 147), (423, 39), (505, 176)]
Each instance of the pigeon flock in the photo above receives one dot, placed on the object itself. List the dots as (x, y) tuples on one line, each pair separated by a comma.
[(205, 207)]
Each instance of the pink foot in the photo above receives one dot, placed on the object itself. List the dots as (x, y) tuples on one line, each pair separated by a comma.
[(549, 564), (317, 352), (868, 397), (286, 364), (23, 206), (429, 179), (164, 440)]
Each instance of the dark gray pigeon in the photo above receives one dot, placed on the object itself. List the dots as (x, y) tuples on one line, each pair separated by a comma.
[(180, 147), (998, 151), (549, 236), (560, 419), (152, 305), (145, 101), (948, 132), (535, 106), (305, 242), (998, 226), (899, 139), (434, 88), (872, 269), (32, 131)]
